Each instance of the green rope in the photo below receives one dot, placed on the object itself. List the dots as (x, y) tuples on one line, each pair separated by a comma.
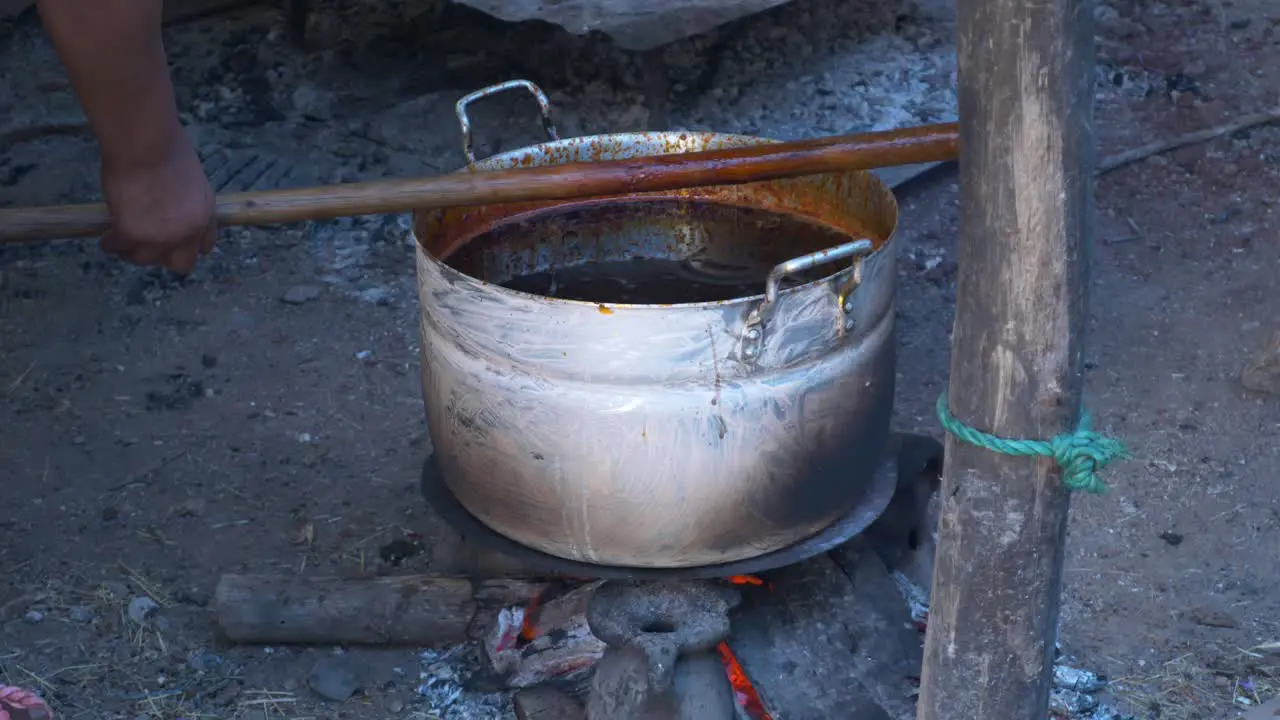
[(1081, 454)]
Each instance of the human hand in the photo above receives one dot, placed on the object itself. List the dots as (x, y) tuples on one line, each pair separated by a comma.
[(162, 213)]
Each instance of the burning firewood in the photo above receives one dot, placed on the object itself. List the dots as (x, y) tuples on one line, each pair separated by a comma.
[(548, 644), (543, 641), (743, 689), (829, 637), (841, 613)]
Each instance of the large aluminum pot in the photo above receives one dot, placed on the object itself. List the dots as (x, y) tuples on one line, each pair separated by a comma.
[(658, 436)]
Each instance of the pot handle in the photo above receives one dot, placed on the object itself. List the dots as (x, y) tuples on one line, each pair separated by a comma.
[(544, 106), (753, 332), (856, 248)]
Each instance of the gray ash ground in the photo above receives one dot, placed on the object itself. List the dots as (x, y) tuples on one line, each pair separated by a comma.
[(264, 414)]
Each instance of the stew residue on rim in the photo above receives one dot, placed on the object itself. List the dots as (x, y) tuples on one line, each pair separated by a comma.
[(662, 251)]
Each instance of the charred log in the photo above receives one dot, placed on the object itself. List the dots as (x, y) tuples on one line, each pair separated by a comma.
[(418, 610)]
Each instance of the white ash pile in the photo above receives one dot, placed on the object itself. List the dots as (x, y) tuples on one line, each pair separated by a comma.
[(447, 687)]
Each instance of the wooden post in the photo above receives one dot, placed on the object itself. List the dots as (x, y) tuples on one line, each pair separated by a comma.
[(1026, 159)]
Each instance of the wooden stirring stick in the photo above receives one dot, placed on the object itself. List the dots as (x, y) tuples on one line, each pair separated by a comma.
[(929, 143)]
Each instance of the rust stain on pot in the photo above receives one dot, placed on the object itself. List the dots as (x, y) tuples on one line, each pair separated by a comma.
[(851, 201)]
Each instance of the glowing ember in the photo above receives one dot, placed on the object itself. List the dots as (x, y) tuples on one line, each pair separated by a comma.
[(528, 630), (748, 580), (744, 692)]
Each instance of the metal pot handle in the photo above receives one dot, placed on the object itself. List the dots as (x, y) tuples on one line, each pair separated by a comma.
[(544, 105), (753, 332)]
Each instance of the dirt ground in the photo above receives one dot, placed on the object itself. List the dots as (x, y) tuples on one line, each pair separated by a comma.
[(265, 413)]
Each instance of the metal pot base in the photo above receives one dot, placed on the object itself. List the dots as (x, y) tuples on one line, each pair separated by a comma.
[(909, 457)]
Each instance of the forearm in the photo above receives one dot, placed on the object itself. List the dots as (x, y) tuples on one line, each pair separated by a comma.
[(115, 56)]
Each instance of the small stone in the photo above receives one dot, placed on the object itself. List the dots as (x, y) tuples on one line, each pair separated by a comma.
[(313, 103), (1262, 373), (141, 608), (33, 616), (443, 670), (209, 360), (1189, 158), (202, 661), (1066, 677), (1110, 22), (1103, 12), (395, 705), (1213, 618), (191, 596), (226, 695), (1069, 703), (80, 614), (115, 589), (376, 296), (1172, 539), (334, 679), (192, 507), (1268, 710), (300, 294)]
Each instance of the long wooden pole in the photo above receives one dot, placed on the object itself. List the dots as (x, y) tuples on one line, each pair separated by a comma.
[(1026, 142), (865, 151)]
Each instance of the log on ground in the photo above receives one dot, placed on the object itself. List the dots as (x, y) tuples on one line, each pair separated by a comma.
[(418, 610)]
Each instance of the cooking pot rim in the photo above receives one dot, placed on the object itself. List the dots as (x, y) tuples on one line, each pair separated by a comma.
[(523, 156), (834, 276)]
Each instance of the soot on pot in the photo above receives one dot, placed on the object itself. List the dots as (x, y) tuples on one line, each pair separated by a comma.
[(660, 251)]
